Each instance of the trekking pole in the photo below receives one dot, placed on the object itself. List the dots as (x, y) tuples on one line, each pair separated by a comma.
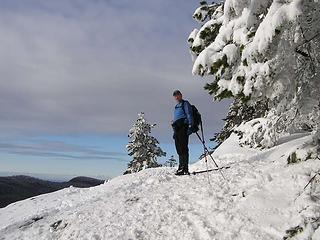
[(206, 150), (206, 161)]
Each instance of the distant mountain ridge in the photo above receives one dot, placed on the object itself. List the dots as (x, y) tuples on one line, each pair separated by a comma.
[(16, 188)]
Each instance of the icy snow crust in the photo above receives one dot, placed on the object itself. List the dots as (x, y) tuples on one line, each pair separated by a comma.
[(257, 202)]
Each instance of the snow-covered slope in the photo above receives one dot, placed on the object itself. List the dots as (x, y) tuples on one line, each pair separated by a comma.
[(257, 202)]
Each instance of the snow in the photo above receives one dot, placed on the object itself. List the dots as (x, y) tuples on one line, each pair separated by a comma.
[(277, 15), (257, 132), (259, 200), (193, 34), (231, 51)]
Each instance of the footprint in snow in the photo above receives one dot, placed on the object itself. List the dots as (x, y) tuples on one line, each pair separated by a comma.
[(132, 200), (58, 225), (31, 221)]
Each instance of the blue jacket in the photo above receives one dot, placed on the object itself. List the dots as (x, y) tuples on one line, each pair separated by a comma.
[(183, 110)]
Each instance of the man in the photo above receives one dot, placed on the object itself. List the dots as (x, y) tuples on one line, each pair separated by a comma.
[(182, 123)]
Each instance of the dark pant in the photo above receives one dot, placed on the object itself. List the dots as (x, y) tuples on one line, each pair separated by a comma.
[(181, 140)]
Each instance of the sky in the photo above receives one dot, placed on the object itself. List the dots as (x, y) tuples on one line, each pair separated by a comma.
[(75, 74)]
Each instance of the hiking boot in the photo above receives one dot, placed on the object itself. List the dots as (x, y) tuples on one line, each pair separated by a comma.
[(181, 172), (186, 171)]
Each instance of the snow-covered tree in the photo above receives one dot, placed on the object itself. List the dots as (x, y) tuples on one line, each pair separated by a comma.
[(239, 112), (263, 51), (143, 148), (171, 162)]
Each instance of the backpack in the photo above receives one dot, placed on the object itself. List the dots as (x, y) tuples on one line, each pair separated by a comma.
[(196, 116)]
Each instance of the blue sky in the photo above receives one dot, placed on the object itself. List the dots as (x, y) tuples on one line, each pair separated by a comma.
[(75, 74)]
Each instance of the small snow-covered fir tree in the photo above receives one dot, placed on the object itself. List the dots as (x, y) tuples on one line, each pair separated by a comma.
[(262, 51), (143, 148), (171, 162)]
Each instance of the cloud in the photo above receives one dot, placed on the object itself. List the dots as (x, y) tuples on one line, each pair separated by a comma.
[(59, 149), (88, 67)]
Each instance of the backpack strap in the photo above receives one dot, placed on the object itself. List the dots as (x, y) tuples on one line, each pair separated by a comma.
[(182, 105)]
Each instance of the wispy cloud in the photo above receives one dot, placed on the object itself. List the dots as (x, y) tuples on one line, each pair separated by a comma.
[(58, 149), (91, 66)]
